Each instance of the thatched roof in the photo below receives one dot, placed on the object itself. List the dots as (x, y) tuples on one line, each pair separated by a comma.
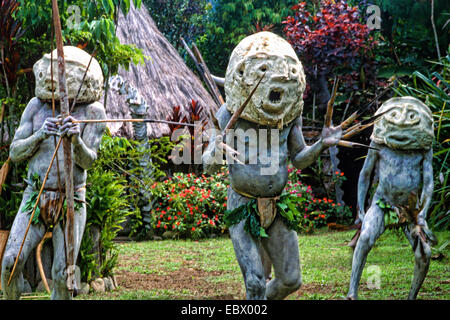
[(165, 80)]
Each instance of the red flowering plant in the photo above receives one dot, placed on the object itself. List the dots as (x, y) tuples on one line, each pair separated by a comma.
[(333, 37), (314, 212), (190, 206), (332, 40)]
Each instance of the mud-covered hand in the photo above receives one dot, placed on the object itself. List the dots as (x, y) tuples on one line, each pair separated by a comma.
[(49, 128), (331, 136), (70, 128)]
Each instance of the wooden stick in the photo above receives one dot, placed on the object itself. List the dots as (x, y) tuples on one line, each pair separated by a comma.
[(349, 120), (47, 235), (357, 130), (82, 81), (134, 120), (364, 110), (208, 75), (350, 144), (201, 71), (53, 102), (230, 151), (34, 208), (353, 127), (371, 120), (358, 113), (67, 147), (239, 111), (329, 114)]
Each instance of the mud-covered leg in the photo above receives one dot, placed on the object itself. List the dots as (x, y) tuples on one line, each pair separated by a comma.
[(59, 273), (35, 234), (372, 227), (247, 250), (282, 247), (422, 255)]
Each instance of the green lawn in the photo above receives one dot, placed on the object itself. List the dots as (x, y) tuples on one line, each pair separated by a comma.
[(208, 269)]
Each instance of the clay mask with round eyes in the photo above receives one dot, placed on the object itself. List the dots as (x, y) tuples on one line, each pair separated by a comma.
[(406, 125), (279, 97), (76, 61)]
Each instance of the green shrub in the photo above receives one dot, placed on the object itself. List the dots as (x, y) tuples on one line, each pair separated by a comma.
[(193, 206), (315, 212), (107, 208), (116, 185), (231, 21)]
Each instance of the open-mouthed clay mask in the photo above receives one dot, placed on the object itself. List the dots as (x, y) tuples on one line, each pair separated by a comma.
[(279, 97)]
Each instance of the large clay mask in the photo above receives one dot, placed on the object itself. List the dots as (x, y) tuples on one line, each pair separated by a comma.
[(279, 98), (406, 125), (76, 61)]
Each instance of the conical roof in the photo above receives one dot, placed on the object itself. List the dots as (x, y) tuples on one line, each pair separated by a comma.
[(164, 81)]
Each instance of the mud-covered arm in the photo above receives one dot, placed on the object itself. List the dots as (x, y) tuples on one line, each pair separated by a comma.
[(212, 158), (364, 179), (303, 155), (428, 187), (27, 139), (87, 142)]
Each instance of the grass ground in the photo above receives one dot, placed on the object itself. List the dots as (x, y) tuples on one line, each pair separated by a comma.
[(208, 269)]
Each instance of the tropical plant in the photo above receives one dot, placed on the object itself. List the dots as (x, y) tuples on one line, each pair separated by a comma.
[(179, 18), (232, 20), (433, 89), (332, 40), (107, 210), (316, 211), (10, 33), (406, 38), (89, 24), (333, 37)]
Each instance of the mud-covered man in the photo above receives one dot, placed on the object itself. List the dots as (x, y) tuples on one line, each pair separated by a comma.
[(34, 141), (401, 164), (267, 135)]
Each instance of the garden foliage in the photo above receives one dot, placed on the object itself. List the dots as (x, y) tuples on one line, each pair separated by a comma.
[(180, 18), (216, 26), (115, 187), (406, 40), (189, 205), (333, 37), (193, 206)]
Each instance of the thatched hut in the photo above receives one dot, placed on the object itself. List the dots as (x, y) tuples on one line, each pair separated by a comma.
[(164, 81)]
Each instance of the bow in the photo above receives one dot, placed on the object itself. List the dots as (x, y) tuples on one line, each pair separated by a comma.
[(67, 147)]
